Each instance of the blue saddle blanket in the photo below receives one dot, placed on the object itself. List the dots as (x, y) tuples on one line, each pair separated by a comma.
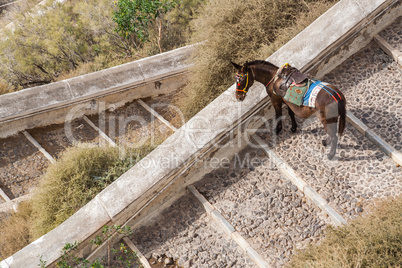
[(312, 92)]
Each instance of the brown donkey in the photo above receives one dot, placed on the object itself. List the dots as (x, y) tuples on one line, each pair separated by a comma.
[(329, 105)]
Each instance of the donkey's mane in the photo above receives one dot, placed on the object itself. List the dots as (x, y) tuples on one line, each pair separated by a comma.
[(262, 62)]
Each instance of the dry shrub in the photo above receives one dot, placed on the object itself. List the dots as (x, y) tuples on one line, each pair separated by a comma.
[(235, 30), (14, 230), (314, 10), (373, 240), (5, 87), (79, 175)]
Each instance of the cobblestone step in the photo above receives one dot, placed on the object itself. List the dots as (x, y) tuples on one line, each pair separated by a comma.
[(139, 122), (390, 40), (229, 229), (301, 184), (371, 83), (185, 233), (25, 157), (373, 137), (263, 206), (21, 166), (360, 173)]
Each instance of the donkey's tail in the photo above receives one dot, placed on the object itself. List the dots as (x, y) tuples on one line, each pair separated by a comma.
[(342, 113)]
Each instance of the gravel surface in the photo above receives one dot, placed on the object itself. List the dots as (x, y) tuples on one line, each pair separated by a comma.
[(393, 34), (371, 82), (56, 138), (132, 125), (21, 166), (167, 106), (265, 208), (186, 234), (359, 173)]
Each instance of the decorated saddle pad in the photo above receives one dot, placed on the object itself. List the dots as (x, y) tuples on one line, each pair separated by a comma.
[(295, 93), (311, 94), (304, 94)]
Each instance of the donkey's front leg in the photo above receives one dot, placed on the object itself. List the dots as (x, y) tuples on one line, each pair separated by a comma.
[(278, 116), (292, 117)]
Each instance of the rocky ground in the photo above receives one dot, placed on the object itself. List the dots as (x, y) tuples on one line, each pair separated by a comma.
[(393, 34), (371, 82), (21, 166), (186, 234)]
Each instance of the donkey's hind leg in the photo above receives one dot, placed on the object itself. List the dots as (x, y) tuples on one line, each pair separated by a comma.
[(331, 131), (330, 127)]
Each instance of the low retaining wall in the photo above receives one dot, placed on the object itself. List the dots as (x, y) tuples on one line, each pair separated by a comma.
[(51, 104), (161, 177)]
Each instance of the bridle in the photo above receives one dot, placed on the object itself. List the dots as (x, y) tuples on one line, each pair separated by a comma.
[(244, 90)]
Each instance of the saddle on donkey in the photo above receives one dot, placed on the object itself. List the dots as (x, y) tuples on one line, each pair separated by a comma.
[(297, 87)]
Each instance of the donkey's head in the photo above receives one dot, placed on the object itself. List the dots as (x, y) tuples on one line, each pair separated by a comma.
[(244, 80)]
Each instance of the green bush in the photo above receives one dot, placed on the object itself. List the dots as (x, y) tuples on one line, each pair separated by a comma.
[(133, 17), (373, 240), (42, 46)]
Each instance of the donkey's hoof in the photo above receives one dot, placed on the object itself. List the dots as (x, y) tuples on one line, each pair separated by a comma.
[(278, 130), (293, 129), (324, 142), (330, 156)]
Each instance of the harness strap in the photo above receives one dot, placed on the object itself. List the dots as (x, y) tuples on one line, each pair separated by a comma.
[(328, 89), (270, 81)]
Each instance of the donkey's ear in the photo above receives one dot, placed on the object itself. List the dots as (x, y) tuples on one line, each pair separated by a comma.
[(237, 66)]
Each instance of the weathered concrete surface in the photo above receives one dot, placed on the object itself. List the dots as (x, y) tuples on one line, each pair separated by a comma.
[(146, 183), (52, 104)]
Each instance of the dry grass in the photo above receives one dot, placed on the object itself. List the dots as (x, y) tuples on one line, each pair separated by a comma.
[(14, 230), (238, 31), (314, 10), (5, 87), (372, 240)]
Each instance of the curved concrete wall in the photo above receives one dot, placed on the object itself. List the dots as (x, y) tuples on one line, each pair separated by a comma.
[(50, 104), (160, 177)]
